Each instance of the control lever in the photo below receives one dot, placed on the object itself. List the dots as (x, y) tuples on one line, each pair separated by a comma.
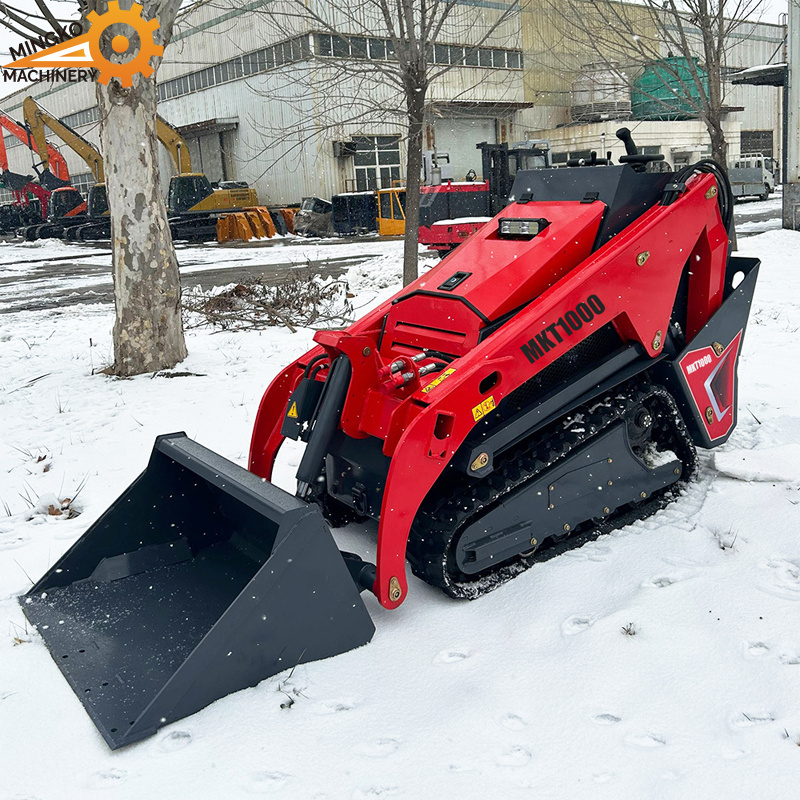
[(632, 156)]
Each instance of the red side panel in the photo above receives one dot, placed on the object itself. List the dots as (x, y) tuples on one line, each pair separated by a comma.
[(712, 383)]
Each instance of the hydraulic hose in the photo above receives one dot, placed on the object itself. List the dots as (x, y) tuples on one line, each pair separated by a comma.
[(724, 193)]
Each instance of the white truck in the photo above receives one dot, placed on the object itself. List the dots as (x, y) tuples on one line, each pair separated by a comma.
[(752, 175)]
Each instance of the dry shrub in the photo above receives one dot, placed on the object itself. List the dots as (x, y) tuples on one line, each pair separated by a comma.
[(302, 300)]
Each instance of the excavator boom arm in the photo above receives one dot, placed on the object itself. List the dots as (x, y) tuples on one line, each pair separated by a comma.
[(37, 118), (51, 158), (176, 145)]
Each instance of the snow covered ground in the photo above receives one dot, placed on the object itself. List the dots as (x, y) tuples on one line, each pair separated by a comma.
[(532, 691), (757, 216)]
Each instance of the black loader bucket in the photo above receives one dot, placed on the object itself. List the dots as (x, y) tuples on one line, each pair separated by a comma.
[(201, 579)]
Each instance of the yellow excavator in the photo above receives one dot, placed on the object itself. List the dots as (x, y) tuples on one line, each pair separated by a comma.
[(193, 205), (37, 119), (200, 212)]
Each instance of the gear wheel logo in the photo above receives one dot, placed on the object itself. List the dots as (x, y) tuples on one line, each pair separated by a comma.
[(147, 47)]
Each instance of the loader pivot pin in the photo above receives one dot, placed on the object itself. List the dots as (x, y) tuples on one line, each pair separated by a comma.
[(395, 592), (481, 461)]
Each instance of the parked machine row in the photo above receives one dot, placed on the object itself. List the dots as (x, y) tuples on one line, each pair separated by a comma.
[(47, 205)]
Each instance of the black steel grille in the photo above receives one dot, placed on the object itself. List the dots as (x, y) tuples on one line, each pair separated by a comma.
[(590, 351)]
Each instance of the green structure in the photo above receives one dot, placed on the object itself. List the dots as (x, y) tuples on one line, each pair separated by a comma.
[(664, 89)]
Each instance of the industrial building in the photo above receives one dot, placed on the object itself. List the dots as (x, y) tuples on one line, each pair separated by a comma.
[(261, 97)]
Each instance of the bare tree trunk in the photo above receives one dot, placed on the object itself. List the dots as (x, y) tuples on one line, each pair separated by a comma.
[(148, 331), (719, 147), (416, 119)]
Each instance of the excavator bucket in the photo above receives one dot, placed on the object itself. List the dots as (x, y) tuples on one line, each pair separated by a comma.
[(288, 217), (249, 223), (201, 579)]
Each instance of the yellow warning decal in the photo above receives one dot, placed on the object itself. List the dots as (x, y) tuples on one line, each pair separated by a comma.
[(483, 408), (293, 411), (436, 381)]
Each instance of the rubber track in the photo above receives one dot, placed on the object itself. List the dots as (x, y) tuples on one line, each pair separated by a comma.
[(440, 520)]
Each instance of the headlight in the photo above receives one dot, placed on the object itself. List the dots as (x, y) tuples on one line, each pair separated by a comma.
[(523, 228)]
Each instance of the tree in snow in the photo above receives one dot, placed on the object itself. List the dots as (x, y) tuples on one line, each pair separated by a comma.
[(148, 331), (381, 67)]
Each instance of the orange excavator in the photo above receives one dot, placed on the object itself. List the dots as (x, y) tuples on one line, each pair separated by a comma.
[(31, 196)]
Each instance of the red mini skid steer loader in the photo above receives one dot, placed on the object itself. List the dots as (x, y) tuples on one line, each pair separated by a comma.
[(546, 382)]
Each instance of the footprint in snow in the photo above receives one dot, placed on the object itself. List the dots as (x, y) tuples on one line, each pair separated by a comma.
[(659, 583), (379, 748), (107, 779), (673, 774), (174, 741), (589, 552), (748, 719), (450, 657), (374, 791), (266, 782), (790, 659), (13, 541), (784, 579), (757, 648), (514, 757), (662, 581), (576, 624), (733, 754), (602, 777), (333, 706), (606, 719), (513, 722), (675, 561), (646, 740)]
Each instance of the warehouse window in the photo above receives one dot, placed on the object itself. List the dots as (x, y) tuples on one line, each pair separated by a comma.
[(85, 117), (329, 46), (377, 49), (757, 142), (341, 47), (358, 47), (376, 162), (325, 44), (242, 66), (83, 182)]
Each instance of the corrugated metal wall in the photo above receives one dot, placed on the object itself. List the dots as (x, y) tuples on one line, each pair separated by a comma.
[(287, 118)]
